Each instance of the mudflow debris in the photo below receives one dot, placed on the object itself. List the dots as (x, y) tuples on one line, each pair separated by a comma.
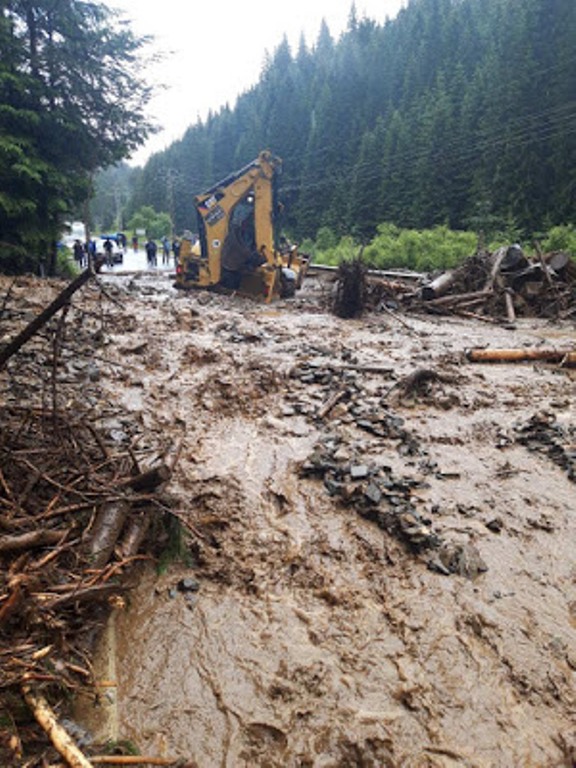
[(497, 286), (80, 499), (247, 535)]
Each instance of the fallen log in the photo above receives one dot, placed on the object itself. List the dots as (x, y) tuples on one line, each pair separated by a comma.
[(510, 311), (107, 528), (562, 264), (499, 257), (29, 540), (59, 737), (565, 357), (403, 274), (136, 530), (543, 264), (475, 316), (113, 516), (459, 298), (34, 326), (439, 286)]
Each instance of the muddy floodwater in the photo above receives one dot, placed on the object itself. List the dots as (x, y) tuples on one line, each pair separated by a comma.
[(376, 575)]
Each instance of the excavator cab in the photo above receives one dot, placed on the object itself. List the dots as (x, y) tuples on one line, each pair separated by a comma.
[(236, 249)]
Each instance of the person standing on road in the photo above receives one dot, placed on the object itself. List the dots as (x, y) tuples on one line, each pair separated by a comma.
[(79, 253), (90, 249), (165, 250), (151, 250), (108, 248), (176, 250)]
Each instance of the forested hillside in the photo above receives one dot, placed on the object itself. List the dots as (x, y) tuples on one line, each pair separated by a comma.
[(460, 112)]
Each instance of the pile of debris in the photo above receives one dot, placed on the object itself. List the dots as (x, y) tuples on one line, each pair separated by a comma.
[(79, 498), (493, 287), (375, 493), (358, 479), (543, 433), (505, 284)]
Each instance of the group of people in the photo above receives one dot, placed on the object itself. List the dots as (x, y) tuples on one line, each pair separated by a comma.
[(166, 247), (84, 253), (87, 253)]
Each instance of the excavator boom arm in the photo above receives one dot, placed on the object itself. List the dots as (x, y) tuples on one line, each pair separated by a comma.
[(237, 234)]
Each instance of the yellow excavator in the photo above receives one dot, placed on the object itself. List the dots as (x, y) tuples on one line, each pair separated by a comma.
[(237, 248)]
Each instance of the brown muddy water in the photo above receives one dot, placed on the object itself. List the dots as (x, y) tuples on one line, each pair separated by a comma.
[(309, 634)]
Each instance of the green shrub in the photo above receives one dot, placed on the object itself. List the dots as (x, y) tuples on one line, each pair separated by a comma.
[(65, 264), (421, 250), (344, 250), (326, 239), (561, 238), (155, 223), (308, 246), (427, 250)]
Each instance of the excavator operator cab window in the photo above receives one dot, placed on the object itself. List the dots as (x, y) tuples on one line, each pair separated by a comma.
[(239, 250), (243, 222)]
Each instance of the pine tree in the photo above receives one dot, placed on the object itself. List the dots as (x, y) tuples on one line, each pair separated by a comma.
[(71, 101)]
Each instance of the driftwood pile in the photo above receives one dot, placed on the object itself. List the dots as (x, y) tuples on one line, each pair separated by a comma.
[(77, 502), (505, 284), (491, 287), (72, 518)]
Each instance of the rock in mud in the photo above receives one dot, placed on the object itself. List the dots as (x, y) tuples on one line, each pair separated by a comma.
[(495, 525), (188, 585), (462, 559), (373, 494), (359, 471)]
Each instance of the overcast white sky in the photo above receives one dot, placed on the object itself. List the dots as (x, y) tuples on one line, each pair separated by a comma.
[(214, 51)]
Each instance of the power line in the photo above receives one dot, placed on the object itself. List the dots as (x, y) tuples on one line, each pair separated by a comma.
[(562, 122)]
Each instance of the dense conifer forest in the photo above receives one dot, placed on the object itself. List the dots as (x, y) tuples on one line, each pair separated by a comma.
[(457, 112)]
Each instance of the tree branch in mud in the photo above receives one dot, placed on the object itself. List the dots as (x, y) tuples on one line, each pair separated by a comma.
[(136, 760), (87, 594), (29, 540), (33, 327), (498, 257), (332, 401), (13, 599), (447, 302), (59, 737), (510, 310)]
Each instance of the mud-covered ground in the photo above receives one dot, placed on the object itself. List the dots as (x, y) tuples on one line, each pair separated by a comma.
[(378, 574)]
